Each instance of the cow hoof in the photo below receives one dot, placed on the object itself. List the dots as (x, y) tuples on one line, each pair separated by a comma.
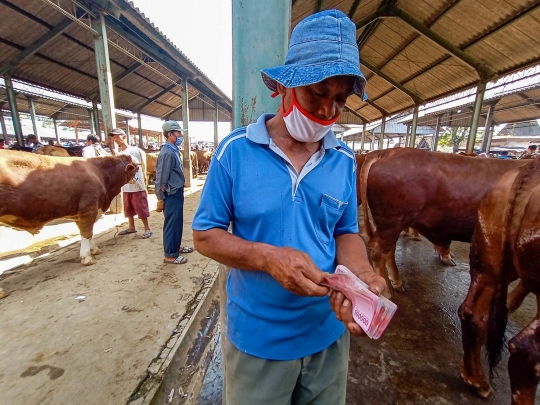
[(3, 294), (96, 251), (483, 389), (448, 261), (88, 261)]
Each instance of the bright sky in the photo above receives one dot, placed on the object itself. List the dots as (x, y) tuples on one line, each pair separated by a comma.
[(201, 29)]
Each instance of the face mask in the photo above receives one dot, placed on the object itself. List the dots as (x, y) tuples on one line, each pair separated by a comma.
[(303, 126), (179, 141)]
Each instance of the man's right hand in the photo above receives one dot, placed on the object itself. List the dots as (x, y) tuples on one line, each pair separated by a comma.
[(295, 271), (160, 205)]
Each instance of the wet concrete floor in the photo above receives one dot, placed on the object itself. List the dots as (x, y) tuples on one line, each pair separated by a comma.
[(417, 360)]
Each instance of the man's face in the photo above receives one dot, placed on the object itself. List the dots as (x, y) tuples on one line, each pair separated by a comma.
[(32, 139), (173, 135), (530, 150), (324, 100), (117, 139)]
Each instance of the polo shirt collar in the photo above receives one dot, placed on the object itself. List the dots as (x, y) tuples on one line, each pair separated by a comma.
[(257, 133)]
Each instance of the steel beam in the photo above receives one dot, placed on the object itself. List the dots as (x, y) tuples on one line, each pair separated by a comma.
[(349, 109), (55, 124), (91, 121), (32, 108), (254, 23), (480, 91), (376, 106), (353, 8), (416, 99), (406, 143), (106, 92), (12, 102), (139, 130), (216, 121), (363, 137), (188, 172), (156, 96), (128, 135), (96, 120), (412, 139), (380, 13), (2, 122), (120, 76), (437, 130), (383, 127), (319, 5), (483, 71), (488, 131), (35, 46)]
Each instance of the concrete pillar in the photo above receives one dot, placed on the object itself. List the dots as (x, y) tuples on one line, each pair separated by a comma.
[(383, 127), (91, 121), (216, 121), (95, 121), (406, 143), (55, 124), (363, 137), (353, 141), (17, 128), (413, 128), (2, 122), (32, 108), (147, 139), (437, 130), (488, 132), (128, 135), (104, 74), (480, 91), (260, 40), (139, 130), (373, 139), (490, 137), (188, 172)]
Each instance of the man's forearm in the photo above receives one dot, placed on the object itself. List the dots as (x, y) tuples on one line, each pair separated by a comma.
[(231, 250), (351, 252)]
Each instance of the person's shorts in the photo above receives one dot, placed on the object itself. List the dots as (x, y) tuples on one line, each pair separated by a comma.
[(136, 204)]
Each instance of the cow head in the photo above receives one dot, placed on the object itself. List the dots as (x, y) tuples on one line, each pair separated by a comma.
[(131, 170)]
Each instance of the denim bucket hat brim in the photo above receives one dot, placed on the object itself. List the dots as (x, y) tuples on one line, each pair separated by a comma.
[(323, 45)]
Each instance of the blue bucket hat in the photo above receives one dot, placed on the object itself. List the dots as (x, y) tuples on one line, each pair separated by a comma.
[(322, 45)]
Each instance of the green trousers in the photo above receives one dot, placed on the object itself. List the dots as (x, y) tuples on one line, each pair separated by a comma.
[(319, 379)]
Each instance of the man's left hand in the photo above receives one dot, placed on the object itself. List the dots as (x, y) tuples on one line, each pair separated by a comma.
[(342, 306)]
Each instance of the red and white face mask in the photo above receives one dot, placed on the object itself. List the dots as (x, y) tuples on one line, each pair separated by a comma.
[(303, 126)]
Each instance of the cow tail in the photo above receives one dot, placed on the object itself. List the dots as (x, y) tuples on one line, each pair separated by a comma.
[(364, 173), (498, 317)]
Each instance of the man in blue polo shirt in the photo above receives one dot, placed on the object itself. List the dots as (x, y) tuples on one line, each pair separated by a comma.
[(287, 185)]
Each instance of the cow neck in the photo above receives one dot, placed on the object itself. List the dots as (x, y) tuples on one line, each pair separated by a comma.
[(114, 172)]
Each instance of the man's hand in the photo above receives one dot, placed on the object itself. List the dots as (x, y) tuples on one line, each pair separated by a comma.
[(160, 205), (342, 306), (295, 271)]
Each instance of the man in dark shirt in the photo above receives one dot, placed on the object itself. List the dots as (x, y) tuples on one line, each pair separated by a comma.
[(170, 193)]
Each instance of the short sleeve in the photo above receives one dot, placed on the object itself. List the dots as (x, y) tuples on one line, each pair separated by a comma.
[(215, 207)]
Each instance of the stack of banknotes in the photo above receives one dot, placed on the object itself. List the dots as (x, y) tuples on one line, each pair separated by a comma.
[(370, 311)]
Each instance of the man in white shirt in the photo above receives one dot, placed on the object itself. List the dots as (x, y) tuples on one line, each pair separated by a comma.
[(134, 193), (93, 148)]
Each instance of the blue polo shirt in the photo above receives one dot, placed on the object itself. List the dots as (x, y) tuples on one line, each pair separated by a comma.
[(252, 184)]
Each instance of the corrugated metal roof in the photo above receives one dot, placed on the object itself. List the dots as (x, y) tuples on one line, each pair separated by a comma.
[(499, 36), (66, 63)]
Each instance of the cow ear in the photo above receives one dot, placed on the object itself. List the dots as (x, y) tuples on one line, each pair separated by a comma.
[(130, 168)]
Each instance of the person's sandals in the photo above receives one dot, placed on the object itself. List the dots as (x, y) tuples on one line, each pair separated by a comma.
[(186, 249), (178, 260), (146, 235), (126, 231)]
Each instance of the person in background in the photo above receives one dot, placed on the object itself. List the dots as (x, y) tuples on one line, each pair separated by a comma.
[(2, 144), (93, 148), (50, 142), (504, 155), (288, 186), (134, 193), (32, 142), (169, 183), (527, 154)]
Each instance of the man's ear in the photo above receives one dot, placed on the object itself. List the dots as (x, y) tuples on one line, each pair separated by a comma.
[(281, 89)]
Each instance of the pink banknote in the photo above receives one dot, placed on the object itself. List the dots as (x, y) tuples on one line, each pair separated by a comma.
[(370, 311)]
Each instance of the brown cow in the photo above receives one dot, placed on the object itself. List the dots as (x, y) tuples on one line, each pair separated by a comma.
[(438, 194), (505, 246), (50, 150), (37, 189), (194, 163), (203, 159), (151, 161)]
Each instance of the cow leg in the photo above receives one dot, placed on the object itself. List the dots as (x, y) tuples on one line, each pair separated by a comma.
[(474, 315), (516, 297), (94, 249), (381, 248), (524, 363), (445, 255), (393, 271), (86, 225)]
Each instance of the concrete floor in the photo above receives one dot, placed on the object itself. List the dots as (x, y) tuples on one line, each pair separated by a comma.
[(417, 360)]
